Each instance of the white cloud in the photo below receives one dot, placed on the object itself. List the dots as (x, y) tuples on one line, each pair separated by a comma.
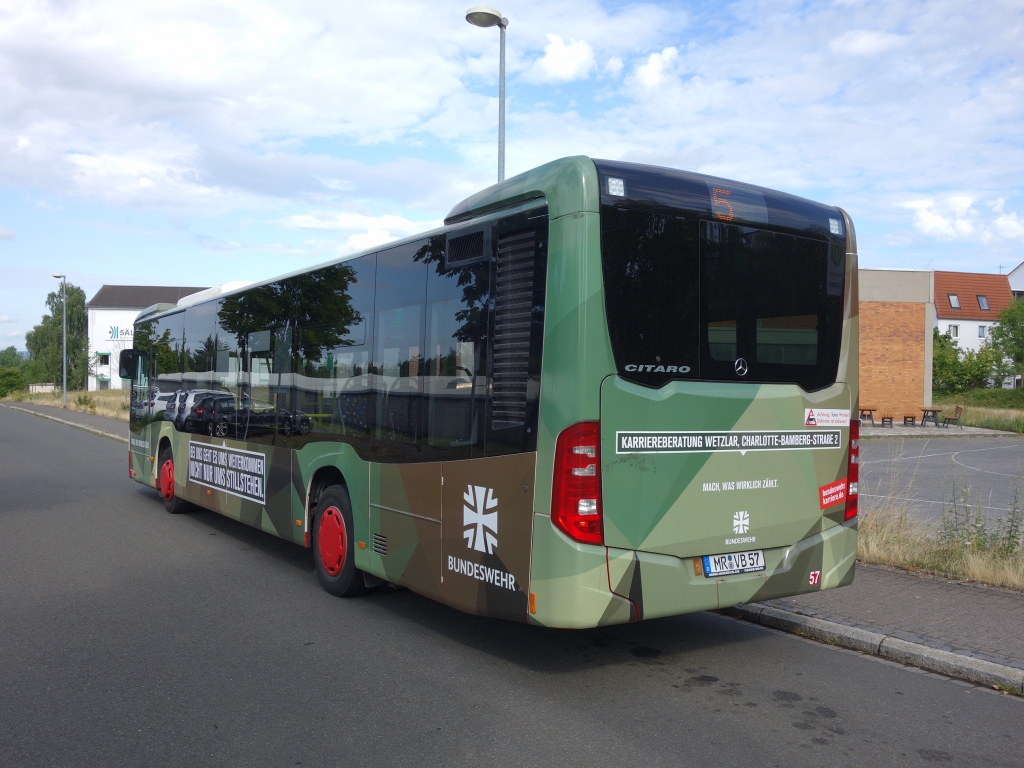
[(863, 42), (614, 66), (1009, 226), (6, 234), (7, 319), (349, 222), (655, 71), (956, 218), (363, 231), (563, 62)]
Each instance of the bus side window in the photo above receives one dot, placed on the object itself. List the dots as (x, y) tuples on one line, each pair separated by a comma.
[(455, 383), (398, 352), (331, 396)]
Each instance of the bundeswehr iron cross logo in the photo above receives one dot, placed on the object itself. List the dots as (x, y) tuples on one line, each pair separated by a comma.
[(481, 525)]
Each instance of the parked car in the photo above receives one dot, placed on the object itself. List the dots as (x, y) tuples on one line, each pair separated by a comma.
[(215, 415), (183, 417), (170, 410), (290, 422)]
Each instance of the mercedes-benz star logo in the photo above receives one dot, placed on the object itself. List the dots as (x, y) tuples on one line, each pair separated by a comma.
[(741, 366)]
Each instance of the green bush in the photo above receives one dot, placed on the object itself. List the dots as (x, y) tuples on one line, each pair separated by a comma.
[(11, 380)]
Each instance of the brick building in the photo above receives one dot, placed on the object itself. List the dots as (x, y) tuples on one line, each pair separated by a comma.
[(967, 304), (897, 314)]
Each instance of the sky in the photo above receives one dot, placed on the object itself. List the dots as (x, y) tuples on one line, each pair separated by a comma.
[(196, 143)]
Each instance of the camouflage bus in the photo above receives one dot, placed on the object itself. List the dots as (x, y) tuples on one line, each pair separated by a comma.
[(602, 392)]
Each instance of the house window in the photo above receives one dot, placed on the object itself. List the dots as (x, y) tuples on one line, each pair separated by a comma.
[(983, 302), (954, 331), (954, 300), (981, 331), (104, 359)]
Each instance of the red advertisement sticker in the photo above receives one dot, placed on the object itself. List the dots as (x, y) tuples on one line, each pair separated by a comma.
[(833, 493)]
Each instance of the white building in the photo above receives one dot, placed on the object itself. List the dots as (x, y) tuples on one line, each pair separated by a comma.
[(1016, 278), (967, 304), (111, 316)]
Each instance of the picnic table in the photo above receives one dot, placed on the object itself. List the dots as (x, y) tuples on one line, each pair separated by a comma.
[(868, 411), (930, 414)]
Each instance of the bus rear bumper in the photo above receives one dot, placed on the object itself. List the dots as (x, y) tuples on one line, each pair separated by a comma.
[(578, 586), (671, 585)]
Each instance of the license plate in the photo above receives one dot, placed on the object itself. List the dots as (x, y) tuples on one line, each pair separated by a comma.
[(734, 562)]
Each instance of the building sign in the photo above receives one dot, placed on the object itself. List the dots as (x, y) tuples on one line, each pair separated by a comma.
[(118, 333)]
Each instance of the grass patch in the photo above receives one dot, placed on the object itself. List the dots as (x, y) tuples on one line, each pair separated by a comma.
[(1007, 419), (965, 544), (112, 403)]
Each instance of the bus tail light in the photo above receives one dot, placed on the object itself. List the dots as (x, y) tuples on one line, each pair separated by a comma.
[(131, 472), (576, 491), (853, 470)]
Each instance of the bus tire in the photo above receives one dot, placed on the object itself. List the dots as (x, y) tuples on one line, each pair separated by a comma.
[(334, 544), (173, 503)]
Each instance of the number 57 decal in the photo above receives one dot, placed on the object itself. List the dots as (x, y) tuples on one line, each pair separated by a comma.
[(815, 578)]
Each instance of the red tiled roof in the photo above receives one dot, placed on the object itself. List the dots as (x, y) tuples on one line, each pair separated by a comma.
[(968, 286)]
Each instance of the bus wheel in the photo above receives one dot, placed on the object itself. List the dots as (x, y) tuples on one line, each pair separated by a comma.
[(334, 544), (172, 502)]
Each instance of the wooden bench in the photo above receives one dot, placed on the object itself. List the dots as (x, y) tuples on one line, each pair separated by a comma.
[(886, 421), (910, 421), (958, 412)]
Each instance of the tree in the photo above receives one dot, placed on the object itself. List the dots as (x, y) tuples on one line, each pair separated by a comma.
[(9, 358), (1008, 335), (946, 374), (957, 370), (44, 342), (11, 379)]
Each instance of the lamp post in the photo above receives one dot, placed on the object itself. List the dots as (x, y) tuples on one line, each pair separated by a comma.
[(64, 354), (485, 16)]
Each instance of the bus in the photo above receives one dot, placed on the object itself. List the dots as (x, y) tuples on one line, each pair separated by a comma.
[(601, 392)]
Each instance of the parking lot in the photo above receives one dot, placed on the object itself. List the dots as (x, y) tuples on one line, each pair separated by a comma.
[(928, 472)]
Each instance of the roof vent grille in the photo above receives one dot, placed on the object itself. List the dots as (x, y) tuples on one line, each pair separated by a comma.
[(465, 248)]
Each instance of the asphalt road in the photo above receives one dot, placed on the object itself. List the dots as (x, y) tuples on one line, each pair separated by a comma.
[(929, 472), (134, 637)]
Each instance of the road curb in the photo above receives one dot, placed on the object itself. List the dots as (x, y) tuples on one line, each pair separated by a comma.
[(885, 646), (76, 425)]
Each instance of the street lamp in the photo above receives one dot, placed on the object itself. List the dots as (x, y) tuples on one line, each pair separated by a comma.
[(485, 16), (64, 357)]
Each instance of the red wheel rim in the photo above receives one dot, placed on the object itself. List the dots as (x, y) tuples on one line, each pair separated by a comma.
[(331, 540), (167, 480)]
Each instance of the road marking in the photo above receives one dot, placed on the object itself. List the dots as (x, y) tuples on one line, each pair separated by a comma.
[(927, 501), (932, 455)]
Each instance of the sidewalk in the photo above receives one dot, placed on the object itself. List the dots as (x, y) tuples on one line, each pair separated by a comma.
[(980, 622), (102, 423)]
